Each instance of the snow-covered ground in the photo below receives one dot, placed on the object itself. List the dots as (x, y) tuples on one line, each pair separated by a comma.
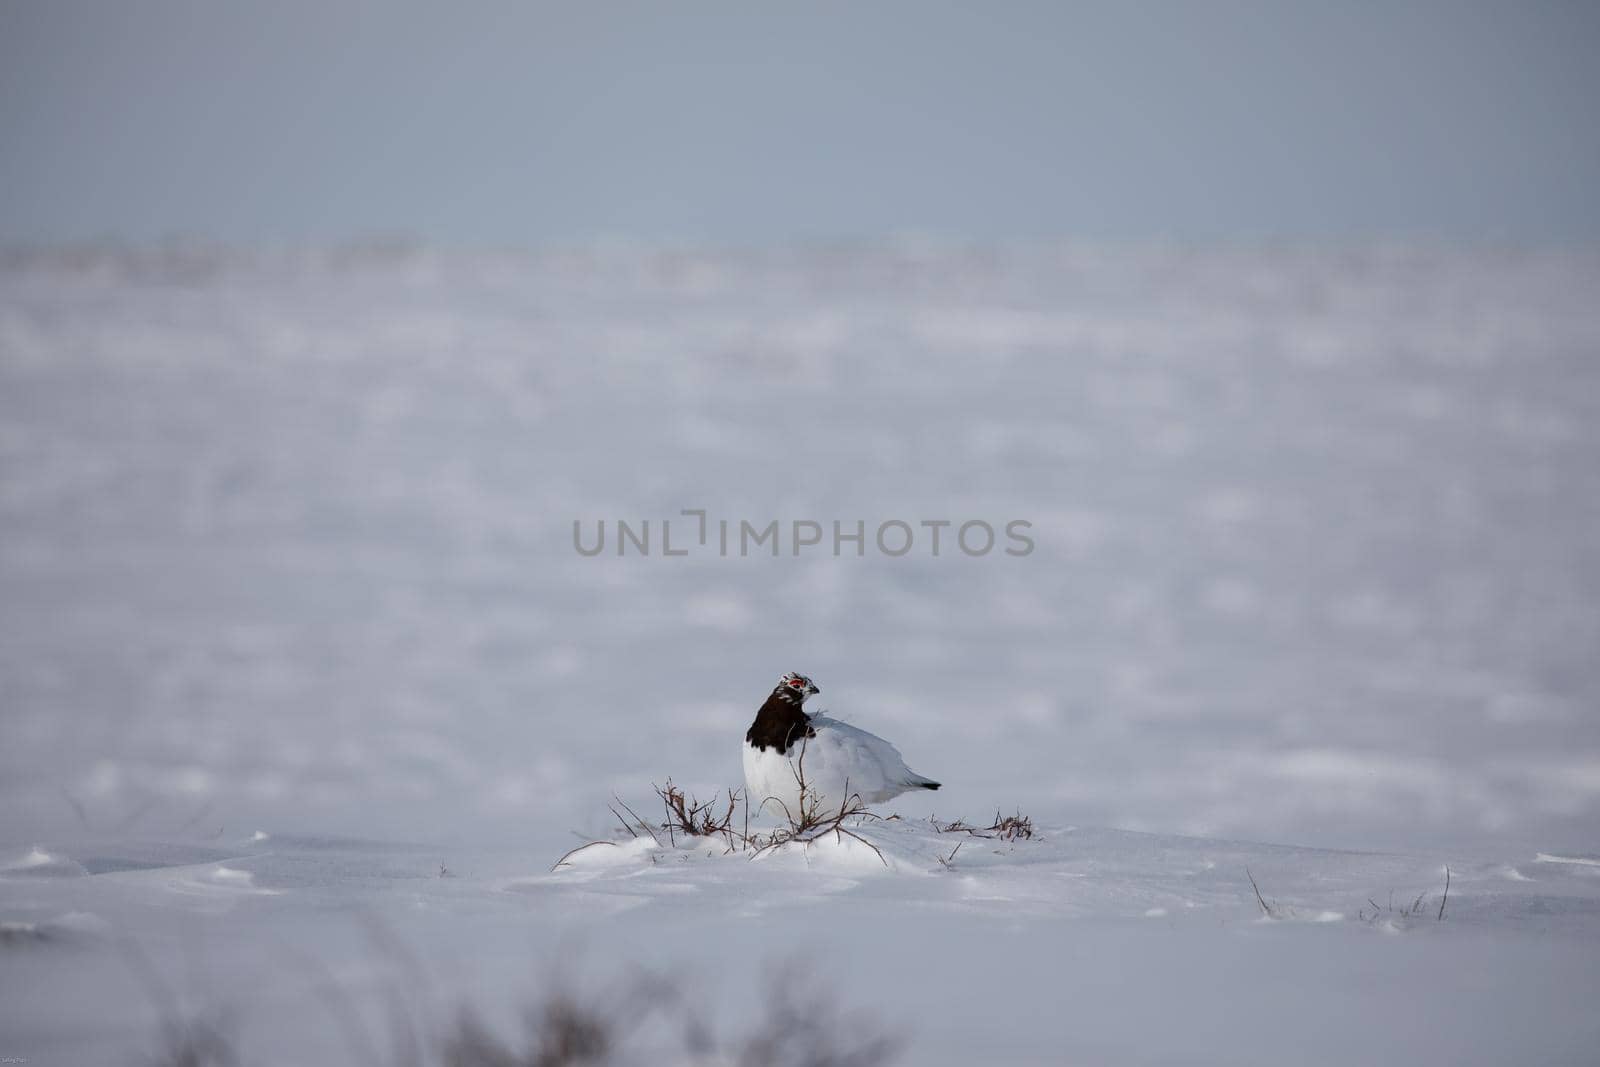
[(286, 546), (1078, 946)]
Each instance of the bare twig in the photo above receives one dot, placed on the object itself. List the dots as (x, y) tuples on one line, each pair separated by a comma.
[(1259, 899), (1446, 896), (1008, 828), (631, 831), (332, 995), (203, 1039), (642, 824), (563, 860), (1012, 827), (198, 816), (138, 813), (812, 821), (687, 815), (77, 807)]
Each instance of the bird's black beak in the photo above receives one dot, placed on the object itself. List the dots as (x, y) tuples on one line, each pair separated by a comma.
[(815, 690)]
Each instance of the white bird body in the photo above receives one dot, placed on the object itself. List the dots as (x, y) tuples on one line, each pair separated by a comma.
[(837, 761)]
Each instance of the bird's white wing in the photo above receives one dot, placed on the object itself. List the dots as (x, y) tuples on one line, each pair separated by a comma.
[(842, 756)]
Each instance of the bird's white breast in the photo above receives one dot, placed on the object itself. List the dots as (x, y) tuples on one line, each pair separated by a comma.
[(840, 762)]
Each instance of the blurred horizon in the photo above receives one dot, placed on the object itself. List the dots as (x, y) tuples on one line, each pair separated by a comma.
[(377, 246), (494, 125)]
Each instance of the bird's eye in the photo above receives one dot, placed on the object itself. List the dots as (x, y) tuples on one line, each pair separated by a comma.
[(796, 682)]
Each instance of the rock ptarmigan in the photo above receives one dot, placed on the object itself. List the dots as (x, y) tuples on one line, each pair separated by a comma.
[(840, 760)]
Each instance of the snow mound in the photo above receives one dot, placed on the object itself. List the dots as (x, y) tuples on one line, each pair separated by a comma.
[(39, 863)]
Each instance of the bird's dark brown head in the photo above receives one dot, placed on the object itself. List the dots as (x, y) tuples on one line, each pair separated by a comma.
[(795, 688), (780, 722)]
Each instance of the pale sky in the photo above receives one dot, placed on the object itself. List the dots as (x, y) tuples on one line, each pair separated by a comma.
[(751, 123)]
